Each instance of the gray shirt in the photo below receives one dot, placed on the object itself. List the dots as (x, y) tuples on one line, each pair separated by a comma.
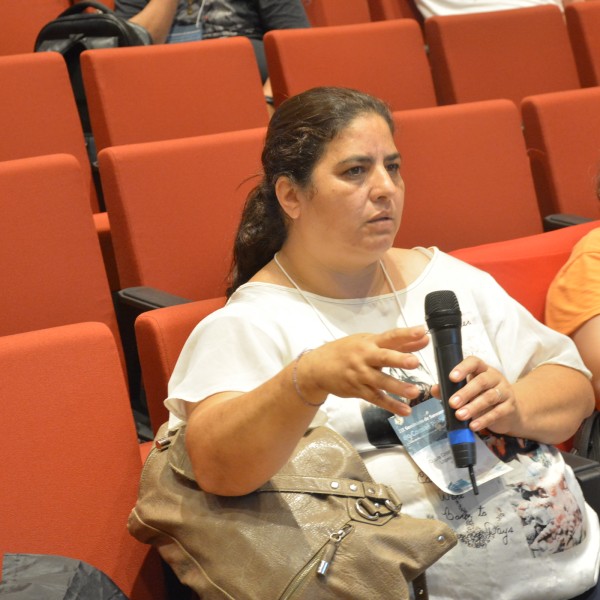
[(227, 18)]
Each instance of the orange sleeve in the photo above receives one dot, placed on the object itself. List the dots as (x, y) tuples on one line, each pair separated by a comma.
[(574, 295)]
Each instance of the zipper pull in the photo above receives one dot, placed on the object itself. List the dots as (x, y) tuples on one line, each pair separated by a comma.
[(331, 548)]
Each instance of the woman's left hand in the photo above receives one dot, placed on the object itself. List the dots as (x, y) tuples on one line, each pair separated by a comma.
[(488, 399)]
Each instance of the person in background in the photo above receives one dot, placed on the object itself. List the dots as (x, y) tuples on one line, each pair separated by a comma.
[(172, 21), (324, 326), (431, 8), (573, 301)]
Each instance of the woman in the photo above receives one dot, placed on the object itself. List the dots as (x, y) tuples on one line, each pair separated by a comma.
[(314, 268)]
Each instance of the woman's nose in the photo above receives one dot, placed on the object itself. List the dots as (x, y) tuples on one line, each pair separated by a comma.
[(383, 184)]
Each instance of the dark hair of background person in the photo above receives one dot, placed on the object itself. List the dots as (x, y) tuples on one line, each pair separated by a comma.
[(297, 135)]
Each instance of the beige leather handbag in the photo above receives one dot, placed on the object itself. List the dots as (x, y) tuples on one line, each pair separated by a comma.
[(320, 529)]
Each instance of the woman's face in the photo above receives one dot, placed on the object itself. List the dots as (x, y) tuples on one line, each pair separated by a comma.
[(351, 210)]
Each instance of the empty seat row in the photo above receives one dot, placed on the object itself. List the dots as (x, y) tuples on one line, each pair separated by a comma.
[(192, 85), (582, 18), (457, 58)]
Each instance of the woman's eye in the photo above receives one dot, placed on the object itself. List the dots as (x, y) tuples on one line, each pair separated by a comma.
[(355, 171)]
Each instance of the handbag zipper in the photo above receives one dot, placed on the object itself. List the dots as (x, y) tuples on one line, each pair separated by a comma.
[(320, 561)]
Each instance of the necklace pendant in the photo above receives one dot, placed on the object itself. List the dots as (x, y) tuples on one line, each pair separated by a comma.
[(190, 7)]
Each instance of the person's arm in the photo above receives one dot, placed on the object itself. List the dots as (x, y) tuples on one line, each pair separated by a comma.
[(586, 339), (547, 405), (236, 442), (538, 389), (156, 17)]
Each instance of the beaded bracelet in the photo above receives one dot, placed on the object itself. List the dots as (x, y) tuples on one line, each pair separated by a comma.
[(295, 380)]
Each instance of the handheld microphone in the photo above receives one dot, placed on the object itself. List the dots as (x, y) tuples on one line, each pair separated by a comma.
[(444, 320)]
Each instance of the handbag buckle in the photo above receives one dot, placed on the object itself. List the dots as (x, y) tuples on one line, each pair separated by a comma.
[(367, 510)]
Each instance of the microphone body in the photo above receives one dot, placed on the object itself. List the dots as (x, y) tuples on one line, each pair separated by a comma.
[(444, 321)]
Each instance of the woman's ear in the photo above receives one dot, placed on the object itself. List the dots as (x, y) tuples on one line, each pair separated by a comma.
[(287, 195)]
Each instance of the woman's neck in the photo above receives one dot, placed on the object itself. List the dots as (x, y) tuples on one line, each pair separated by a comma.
[(314, 275)]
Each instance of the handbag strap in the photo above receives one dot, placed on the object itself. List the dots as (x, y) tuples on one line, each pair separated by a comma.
[(179, 461), (79, 7), (331, 486), (336, 486)]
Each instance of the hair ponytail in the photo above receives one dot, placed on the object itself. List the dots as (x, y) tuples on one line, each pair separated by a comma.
[(260, 235)]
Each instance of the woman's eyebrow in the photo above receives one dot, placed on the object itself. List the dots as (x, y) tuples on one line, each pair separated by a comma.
[(356, 158), (367, 159)]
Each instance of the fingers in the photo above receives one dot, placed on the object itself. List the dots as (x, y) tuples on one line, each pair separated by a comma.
[(366, 379), (395, 348), (352, 367), (387, 402), (485, 399), (408, 339)]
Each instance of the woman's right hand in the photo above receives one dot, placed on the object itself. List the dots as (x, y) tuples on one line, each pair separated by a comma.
[(351, 368)]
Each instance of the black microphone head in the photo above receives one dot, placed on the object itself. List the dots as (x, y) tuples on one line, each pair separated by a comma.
[(442, 310)]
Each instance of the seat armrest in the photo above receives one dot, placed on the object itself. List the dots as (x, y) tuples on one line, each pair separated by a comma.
[(560, 220), (148, 298)]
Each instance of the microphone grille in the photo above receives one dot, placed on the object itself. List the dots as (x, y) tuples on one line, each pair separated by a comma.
[(441, 300), (441, 309)]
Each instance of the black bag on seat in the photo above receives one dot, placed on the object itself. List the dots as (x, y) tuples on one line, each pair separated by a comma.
[(75, 30), (48, 577)]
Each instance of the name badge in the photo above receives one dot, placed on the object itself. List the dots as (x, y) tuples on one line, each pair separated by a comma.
[(425, 437)]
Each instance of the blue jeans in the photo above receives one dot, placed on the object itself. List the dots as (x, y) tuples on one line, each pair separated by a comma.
[(184, 33)]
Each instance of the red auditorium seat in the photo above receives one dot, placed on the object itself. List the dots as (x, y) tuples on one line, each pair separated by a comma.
[(169, 91), (562, 131), (386, 59), (72, 473), (501, 54), (467, 175), (583, 24)]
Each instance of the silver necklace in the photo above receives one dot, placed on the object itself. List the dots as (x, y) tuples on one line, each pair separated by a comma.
[(324, 322)]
